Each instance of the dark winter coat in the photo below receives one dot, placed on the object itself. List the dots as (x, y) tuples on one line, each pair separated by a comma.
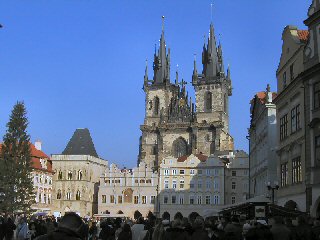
[(61, 233), (316, 232), (175, 234), (304, 232), (10, 227), (280, 232), (199, 234), (2, 228), (233, 231)]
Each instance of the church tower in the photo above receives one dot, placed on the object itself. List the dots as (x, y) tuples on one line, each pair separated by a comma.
[(212, 89), (173, 125)]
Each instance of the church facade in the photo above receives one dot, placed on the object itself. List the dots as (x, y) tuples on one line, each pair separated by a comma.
[(173, 125)]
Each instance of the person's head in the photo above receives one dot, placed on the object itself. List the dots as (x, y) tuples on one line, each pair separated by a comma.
[(73, 222), (316, 222), (140, 220), (192, 216), (177, 223), (166, 216), (234, 219), (198, 223), (126, 228), (185, 222), (288, 221), (301, 220), (178, 215), (246, 228), (209, 223)]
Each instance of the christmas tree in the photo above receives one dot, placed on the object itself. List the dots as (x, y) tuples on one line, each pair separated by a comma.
[(17, 193)]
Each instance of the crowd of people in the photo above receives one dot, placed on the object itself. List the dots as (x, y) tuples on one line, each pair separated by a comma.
[(193, 227)]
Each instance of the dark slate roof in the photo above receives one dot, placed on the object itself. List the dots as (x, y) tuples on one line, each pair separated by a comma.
[(80, 144)]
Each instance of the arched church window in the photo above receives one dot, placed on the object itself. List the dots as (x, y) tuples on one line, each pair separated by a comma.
[(179, 148), (78, 195), (79, 175), (59, 194), (156, 108), (69, 195), (60, 175), (69, 175), (208, 101)]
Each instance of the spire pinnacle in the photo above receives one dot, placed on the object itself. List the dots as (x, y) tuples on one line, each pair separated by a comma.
[(228, 73), (177, 76), (163, 24)]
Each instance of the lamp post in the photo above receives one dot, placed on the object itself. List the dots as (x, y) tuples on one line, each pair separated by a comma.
[(272, 188)]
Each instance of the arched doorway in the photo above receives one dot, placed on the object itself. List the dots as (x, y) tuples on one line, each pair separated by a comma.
[(128, 195)]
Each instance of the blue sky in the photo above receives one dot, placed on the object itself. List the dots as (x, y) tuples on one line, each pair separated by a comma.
[(80, 63)]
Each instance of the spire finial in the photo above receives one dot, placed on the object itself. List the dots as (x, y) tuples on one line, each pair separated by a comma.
[(268, 87), (177, 75), (162, 23)]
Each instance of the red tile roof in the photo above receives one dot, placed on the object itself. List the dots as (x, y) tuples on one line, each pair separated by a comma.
[(200, 156), (262, 96), (36, 155), (303, 35)]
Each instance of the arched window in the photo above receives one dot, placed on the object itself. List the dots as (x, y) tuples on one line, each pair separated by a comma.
[(78, 195), (59, 194), (212, 147), (44, 198), (79, 175), (69, 175), (179, 148), (69, 195), (156, 109), (60, 175), (208, 101)]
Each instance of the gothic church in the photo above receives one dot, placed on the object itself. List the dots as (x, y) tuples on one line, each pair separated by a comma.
[(173, 124)]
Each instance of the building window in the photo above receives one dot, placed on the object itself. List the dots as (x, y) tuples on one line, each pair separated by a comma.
[(181, 200), (156, 106), (208, 184), (166, 184), (44, 198), (153, 199), (60, 175), (69, 175), (191, 199), (111, 198), (181, 172), (316, 95), (79, 175), (216, 172), (179, 148), (191, 184), (199, 184), (245, 172), (200, 172), (173, 199), (208, 101), (78, 195), (296, 170), (181, 184), (208, 172), (69, 195), (283, 127), (144, 199), (119, 199), (208, 200), (59, 194), (233, 200), (284, 174), (199, 200), (166, 172), (104, 198), (233, 185), (292, 71), (165, 199), (216, 184), (136, 199), (191, 171), (295, 119), (317, 150), (284, 79), (174, 172), (174, 184), (216, 200), (234, 173)]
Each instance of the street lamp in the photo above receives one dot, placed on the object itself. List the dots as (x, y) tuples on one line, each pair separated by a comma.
[(272, 188)]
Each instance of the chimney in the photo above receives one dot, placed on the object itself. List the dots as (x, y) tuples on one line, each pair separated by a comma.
[(38, 144)]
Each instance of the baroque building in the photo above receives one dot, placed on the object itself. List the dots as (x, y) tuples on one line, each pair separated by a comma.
[(290, 118), (173, 125), (262, 135), (123, 191), (311, 81), (77, 176)]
